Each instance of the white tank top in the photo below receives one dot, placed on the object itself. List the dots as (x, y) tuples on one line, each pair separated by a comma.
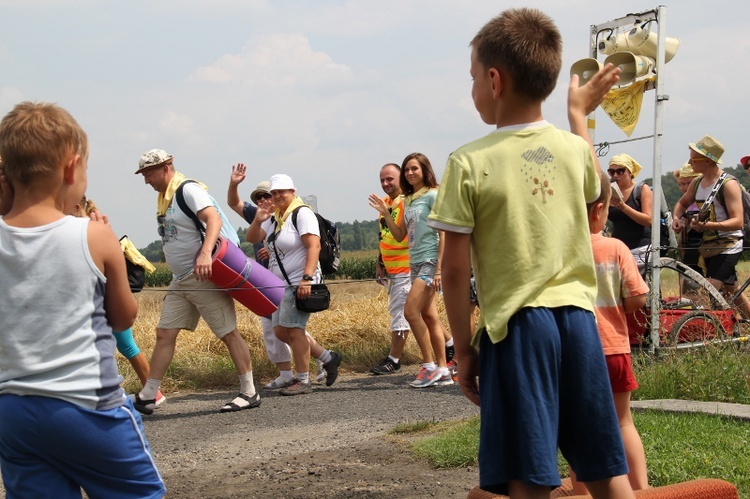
[(55, 340)]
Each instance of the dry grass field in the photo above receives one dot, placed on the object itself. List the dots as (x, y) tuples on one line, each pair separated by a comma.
[(357, 324)]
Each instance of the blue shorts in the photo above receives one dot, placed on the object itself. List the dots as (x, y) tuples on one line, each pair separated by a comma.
[(287, 315), (52, 448), (546, 385)]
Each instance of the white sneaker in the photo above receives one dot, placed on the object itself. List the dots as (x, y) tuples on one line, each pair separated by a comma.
[(322, 374), (278, 383)]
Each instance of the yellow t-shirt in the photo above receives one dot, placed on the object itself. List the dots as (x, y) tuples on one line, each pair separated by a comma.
[(521, 193)]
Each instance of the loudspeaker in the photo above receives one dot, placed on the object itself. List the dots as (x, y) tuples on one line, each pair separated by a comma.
[(631, 66), (585, 69), (644, 41), (615, 43)]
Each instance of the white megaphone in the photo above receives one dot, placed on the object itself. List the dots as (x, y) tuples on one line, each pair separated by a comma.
[(585, 69), (615, 43), (631, 66), (645, 40)]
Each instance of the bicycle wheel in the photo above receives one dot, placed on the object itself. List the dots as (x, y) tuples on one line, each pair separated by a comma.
[(696, 326)]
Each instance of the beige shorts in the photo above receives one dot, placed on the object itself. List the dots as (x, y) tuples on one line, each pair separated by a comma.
[(189, 299)]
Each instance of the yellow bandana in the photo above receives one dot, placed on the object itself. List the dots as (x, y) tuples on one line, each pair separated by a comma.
[(162, 202), (280, 219)]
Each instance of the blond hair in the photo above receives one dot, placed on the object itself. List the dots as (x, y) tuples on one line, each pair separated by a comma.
[(605, 191), (35, 139)]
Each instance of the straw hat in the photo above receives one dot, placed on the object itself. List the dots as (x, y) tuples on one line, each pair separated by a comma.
[(708, 147), (685, 172), (627, 161)]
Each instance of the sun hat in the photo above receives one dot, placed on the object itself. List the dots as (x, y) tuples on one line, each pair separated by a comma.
[(627, 161), (154, 157), (280, 182), (708, 147), (744, 161), (263, 188), (686, 171)]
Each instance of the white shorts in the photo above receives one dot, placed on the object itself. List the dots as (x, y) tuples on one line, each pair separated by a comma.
[(398, 289)]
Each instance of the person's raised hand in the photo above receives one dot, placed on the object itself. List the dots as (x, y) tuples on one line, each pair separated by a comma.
[(376, 202), (238, 173), (584, 99)]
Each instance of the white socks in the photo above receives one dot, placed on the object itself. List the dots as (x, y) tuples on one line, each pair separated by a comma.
[(149, 390), (246, 384)]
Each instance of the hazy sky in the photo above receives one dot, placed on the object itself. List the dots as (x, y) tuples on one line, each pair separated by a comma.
[(326, 91)]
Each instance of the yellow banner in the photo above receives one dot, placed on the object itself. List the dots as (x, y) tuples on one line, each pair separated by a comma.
[(623, 105)]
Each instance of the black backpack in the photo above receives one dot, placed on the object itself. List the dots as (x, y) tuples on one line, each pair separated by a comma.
[(667, 239), (330, 243)]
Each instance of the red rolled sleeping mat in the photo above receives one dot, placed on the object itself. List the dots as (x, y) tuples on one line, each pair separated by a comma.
[(251, 284)]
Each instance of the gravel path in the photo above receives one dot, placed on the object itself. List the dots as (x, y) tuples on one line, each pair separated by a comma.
[(332, 443)]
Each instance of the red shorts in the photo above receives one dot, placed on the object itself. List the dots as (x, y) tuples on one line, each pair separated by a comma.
[(621, 376)]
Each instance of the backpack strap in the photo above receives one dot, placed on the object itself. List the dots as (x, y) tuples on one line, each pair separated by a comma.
[(180, 198), (720, 193), (637, 195)]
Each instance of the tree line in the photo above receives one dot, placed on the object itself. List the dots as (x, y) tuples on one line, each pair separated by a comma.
[(359, 236), (355, 236)]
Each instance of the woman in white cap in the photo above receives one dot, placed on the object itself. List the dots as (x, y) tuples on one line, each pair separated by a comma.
[(631, 216), (294, 245), (278, 352)]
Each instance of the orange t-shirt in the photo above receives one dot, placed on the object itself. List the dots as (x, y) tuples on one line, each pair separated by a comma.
[(617, 278)]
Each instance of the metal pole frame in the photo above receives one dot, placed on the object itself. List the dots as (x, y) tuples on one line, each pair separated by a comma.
[(658, 15)]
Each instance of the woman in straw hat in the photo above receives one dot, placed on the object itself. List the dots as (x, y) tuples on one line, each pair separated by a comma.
[(630, 217)]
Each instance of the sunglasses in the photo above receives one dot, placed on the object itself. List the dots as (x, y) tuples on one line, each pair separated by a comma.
[(693, 161), (265, 195), (619, 171)]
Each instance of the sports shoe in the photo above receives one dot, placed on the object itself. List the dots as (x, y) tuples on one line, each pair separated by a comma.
[(426, 377), (453, 368), (144, 406), (278, 383), (450, 352), (444, 380), (386, 366), (296, 388), (332, 368), (160, 399), (322, 374)]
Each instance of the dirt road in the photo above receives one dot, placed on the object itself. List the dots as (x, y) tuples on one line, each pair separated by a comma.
[(329, 444)]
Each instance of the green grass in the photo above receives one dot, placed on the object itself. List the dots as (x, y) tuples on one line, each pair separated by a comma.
[(678, 447)]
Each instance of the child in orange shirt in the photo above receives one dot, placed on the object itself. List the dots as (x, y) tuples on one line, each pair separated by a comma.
[(620, 290)]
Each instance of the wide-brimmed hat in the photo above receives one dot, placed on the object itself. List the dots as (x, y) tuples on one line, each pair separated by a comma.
[(280, 182), (744, 161), (686, 171), (152, 158), (263, 188), (708, 147), (627, 161)]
